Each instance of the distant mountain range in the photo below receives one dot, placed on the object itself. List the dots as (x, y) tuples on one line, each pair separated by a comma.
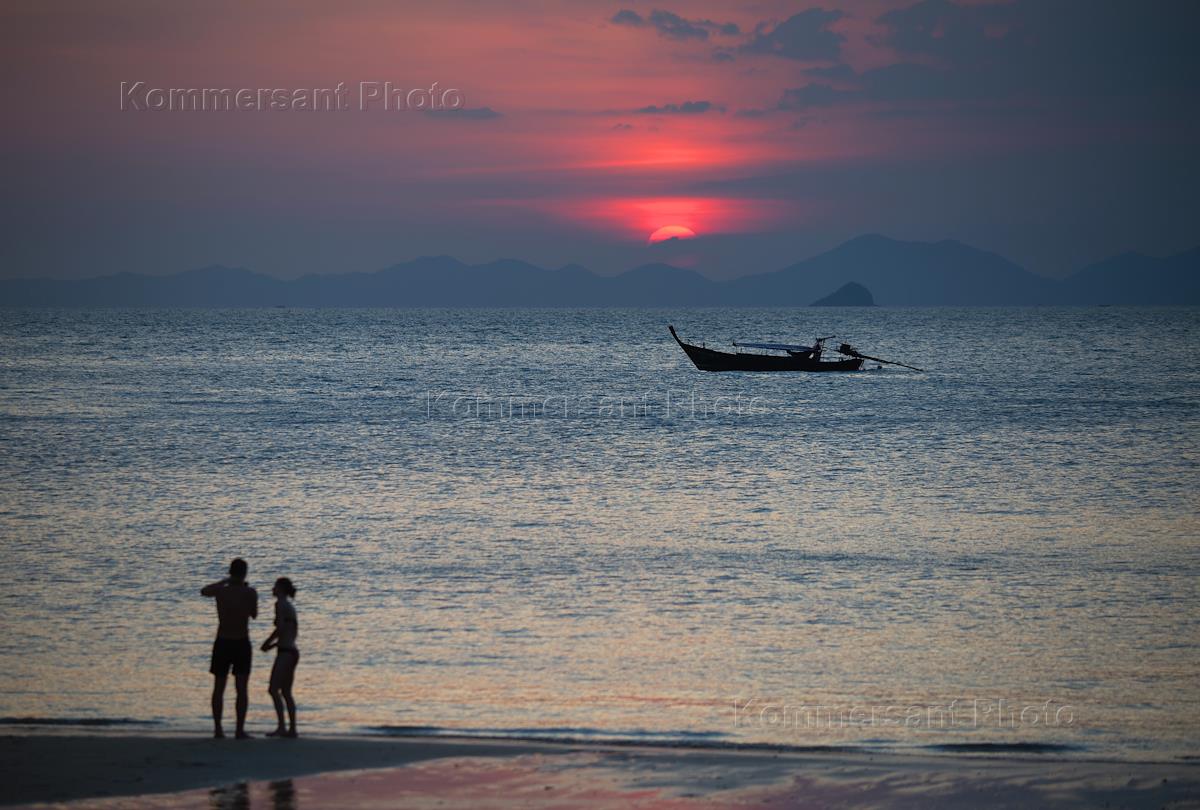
[(896, 273)]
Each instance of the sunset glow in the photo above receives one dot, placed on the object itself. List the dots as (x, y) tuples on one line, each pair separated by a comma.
[(584, 128), (672, 232)]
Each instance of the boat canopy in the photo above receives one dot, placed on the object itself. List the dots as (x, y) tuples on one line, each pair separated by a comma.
[(780, 347)]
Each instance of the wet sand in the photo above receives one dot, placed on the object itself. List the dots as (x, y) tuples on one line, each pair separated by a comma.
[(314, 773)]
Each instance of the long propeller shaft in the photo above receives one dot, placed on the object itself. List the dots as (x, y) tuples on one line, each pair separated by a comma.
[(853, 352)]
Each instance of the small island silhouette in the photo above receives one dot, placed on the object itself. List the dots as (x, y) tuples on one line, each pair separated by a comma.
[(850, 294)]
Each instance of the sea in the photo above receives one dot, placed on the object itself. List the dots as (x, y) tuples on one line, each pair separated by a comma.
[(549, 524)]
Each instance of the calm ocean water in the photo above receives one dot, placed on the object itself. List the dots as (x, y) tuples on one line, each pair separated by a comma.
[(548, 522)]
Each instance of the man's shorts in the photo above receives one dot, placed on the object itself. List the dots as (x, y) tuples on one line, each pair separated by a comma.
[(231, 652)]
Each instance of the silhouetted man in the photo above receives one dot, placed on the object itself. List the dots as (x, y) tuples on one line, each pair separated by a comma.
[(237, 604)]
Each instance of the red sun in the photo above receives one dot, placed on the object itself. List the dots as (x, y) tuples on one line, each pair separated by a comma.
[(672, 232)]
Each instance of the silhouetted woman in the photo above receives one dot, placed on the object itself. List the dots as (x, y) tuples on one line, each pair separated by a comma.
[(287, 655)]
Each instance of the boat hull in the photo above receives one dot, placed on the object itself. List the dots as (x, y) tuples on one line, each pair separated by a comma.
[(712, 360)]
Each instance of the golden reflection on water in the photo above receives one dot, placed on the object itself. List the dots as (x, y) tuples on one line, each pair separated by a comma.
[(660, 645)]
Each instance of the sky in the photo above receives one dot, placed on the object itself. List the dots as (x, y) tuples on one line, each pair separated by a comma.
[(1053, 132)]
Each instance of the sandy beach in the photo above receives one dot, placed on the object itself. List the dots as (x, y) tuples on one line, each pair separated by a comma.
[(175, 771)]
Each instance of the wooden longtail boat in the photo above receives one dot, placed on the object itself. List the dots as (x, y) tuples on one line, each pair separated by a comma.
[(794, 357)]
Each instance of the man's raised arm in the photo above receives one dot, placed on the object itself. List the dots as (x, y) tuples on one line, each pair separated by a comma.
[(211, 590)]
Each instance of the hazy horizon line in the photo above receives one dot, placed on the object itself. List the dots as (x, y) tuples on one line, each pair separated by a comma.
[(576, 264)]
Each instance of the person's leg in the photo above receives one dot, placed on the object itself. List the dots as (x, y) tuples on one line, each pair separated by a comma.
[(241, 683), (273, 689), (276, 698), (288, 679), (291, 709), (218, 703)]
